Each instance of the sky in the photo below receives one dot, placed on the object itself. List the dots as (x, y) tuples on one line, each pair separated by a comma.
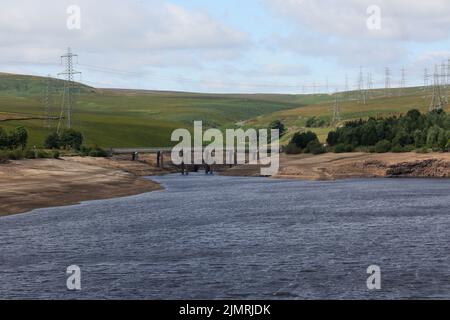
[(229, 46)]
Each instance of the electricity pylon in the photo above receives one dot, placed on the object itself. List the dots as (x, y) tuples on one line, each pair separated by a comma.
[(336, 111), (437, 102), (387, 82), (68, 99), (362, 92), (47, 103), (402, 82)]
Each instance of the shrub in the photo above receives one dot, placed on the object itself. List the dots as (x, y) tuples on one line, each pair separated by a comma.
[(30, 154), (56, 154), (397, 149), (98, 152), (302, 139), (85, 151), (43, 154), (71, 139), (342, 148), (315, 147), (16, 155), (15, 139), (3, 157), (383, 146), (277, 124), (292, 148), (52, 141), (422, 150)]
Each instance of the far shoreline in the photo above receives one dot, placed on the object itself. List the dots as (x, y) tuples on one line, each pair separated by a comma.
[(27, 185)]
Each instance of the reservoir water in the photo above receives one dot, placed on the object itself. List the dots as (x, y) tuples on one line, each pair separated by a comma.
[(210, 237)]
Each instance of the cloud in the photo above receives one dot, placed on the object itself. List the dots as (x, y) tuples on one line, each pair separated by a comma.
[(112, 30), (402, 20)]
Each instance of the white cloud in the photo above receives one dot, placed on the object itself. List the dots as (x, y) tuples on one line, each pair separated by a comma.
[(401, 19), (139, 32)]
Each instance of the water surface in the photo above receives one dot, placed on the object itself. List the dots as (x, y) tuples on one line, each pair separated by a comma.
[(209, 237)]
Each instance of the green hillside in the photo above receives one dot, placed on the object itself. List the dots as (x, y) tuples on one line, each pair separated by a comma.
[(380, 103), (136, 118), (132, 118)]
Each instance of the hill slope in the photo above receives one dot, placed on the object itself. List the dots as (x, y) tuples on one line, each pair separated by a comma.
[(132, 118), (139, 118), (379, 103)]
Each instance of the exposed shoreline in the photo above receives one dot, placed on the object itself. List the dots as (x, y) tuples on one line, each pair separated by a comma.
[(333, 166), (32, 184)]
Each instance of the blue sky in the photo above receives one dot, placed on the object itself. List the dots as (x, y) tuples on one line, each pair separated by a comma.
[(273, 46)]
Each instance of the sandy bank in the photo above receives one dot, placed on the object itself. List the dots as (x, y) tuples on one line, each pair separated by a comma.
[(356, 165), (31, 184)]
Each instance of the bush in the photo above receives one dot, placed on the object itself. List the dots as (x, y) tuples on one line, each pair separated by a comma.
[(15, 155), (302, 139), (85, 151), (71, 139), (422, 150), (98, 153), (314, 122), (277, 124), (30, 154), (383, 146), (43, 154), (397, 149), (56, 154), (293, 149), (342, 148), (315, 147), (15, 139), (3, 157), (52, 141)]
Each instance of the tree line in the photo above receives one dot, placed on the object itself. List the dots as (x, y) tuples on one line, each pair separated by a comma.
[(412, 131), (404, 133), (15, 139)]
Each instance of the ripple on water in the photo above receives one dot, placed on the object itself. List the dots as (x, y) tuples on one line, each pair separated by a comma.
[(237, 238)]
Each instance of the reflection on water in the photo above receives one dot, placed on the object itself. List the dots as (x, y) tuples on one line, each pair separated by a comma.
[(223, 237)]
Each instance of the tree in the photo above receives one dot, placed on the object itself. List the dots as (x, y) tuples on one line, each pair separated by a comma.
[(71, 139), (383, 146), (277, 124), (433, 137), (419, 138), (21, 137), (52, 141), (315, 147), (302, 139), (3, 139)]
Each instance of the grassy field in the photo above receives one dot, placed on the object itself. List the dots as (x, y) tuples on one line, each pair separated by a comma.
[(133, 118)]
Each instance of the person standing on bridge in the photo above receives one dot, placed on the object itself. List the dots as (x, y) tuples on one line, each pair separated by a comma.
[(183, 168)]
